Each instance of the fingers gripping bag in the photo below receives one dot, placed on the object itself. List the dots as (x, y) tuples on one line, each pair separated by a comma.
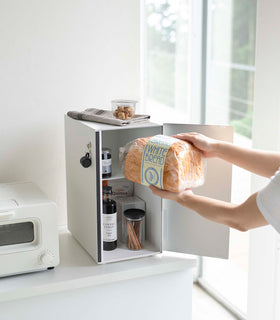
[(165, 162)]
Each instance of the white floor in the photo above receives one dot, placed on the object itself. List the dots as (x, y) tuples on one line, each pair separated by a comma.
[(206, 308)]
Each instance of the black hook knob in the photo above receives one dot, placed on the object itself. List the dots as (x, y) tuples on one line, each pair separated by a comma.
[(86, 161)]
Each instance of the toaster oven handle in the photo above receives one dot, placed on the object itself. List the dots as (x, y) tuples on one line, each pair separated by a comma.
[(6, 215)]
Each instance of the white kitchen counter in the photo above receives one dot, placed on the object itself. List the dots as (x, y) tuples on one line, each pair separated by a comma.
[(77, 270)]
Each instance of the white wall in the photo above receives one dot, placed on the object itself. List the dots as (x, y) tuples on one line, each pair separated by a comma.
[(264, 272), (57, 55)]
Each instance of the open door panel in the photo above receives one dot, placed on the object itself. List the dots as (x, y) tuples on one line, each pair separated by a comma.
[(184, 230)]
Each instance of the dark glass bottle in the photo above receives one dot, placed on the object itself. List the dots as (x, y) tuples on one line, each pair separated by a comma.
[(109, 220), (106, 163)]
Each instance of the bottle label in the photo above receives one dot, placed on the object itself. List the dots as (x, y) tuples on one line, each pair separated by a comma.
[(107, 166), (154, 158), (110, 227)]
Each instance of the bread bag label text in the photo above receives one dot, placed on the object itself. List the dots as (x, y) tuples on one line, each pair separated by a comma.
[(154, 158)]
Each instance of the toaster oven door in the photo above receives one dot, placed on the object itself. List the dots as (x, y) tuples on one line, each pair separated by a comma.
[(17, 233)]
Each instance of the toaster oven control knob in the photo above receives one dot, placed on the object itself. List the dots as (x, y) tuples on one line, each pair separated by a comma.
[(46, 258)]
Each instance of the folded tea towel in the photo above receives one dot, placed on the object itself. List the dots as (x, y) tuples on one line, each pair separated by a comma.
[(105, 116)]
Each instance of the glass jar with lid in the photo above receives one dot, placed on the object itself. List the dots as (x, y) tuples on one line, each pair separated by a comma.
[(134, 231)]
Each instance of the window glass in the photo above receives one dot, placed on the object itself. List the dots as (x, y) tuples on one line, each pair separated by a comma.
[(231, 64), (167, 59), (16, 233), (229, 100), (170, 27)]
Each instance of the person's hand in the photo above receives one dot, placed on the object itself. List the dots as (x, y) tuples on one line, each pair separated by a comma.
[(206, 145), (175, 196)]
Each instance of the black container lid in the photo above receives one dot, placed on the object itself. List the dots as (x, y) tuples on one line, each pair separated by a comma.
[(107, 190), (106, 150), (134, 214)]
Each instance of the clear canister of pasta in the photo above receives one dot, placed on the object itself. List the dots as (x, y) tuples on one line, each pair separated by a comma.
[(134, 228)]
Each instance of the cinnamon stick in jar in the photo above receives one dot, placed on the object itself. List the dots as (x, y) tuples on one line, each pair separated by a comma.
[(132, 238), (134, 228), (137, 225)]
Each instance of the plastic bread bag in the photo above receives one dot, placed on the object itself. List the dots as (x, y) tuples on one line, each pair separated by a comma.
[(165, 162)]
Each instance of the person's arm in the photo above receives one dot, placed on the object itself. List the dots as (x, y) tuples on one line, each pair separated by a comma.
[(263, 163), (241, 217)]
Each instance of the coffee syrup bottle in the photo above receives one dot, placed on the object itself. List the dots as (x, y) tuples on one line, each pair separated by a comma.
[(109, 220)]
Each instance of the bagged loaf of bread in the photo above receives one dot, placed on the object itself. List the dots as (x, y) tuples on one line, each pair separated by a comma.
[(165, 162)]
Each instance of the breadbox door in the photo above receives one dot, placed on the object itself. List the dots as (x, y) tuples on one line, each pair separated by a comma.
[(186, 231)]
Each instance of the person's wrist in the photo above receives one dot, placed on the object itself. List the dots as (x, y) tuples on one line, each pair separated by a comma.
[(217, 148), (184, 196)]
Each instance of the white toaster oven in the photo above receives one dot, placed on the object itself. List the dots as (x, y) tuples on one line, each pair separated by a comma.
[(28, 230)]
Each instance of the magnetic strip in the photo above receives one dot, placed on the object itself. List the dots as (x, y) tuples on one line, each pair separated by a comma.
[(98, 193)]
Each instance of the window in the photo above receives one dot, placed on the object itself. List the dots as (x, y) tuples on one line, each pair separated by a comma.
[(230, 74), (231, 63), (16, 233), (167, 59), (199, 66)]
